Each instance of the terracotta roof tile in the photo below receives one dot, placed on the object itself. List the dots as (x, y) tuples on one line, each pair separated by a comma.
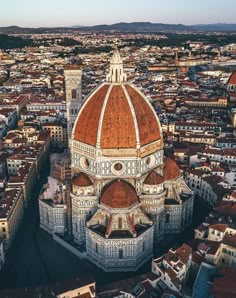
[(86, 128), (118, 121), (149, 129), (184, 252), (229, 240), (219, 227), (119, 194), (232, 79), (153, 179), (224, 284), (118, 129), (226, 209), (82, 180), (171, 170)]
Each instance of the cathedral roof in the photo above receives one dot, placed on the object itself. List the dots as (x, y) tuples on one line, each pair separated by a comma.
[(171, 170), (153, 179), (232, 78), (117, 116), (119, 194), (82, 180)]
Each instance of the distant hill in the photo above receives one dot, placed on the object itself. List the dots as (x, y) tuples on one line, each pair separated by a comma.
[(12, 42), (125, 27), (215, 27), (40, 30), (159, 27), (139, 27)]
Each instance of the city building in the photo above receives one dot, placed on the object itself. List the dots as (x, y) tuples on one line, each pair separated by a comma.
[(173, 267), (126, 196), (213, 102), (17, 102), (53, 200), (24, 178), (11, 213), (58, 134)]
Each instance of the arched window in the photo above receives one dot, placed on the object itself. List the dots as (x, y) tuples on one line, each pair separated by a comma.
[(120, 223), (73, 93), (167, 218), (120, 253)]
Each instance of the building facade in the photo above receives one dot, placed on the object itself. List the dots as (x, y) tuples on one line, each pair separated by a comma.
[(58, 134), (11, 214), (53, 207)]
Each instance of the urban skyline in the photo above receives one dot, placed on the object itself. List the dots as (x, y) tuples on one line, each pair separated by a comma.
[(117, 149), (71, 13)]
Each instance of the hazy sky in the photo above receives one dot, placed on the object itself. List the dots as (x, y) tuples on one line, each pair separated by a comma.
[(38, 13)]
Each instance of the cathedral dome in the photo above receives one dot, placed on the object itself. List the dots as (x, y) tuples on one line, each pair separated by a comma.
[(82, 180), (153, 179), (119, 194), (117, 116), (232, 79), (171, 170)]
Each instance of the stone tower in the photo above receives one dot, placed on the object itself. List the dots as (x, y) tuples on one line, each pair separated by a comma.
[(73, 83)]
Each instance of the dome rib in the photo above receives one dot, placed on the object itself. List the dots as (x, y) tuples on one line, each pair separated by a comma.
[(86, 127), (117, 116), (102, 116), (118, 130), (148, 124), (134, 116)]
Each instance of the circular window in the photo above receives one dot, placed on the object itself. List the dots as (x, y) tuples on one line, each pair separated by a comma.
[(118, 168), (150, 161), (84, 162)]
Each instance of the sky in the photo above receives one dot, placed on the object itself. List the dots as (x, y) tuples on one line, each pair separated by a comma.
[(42, 13)]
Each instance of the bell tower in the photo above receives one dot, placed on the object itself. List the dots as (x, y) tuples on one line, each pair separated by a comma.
[(73, 84)]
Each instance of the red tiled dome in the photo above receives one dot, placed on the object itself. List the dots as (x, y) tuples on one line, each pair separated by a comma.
[(171, 170), (119, 194), (232, 79), (153, 179), (118, 117), (82, 180)]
